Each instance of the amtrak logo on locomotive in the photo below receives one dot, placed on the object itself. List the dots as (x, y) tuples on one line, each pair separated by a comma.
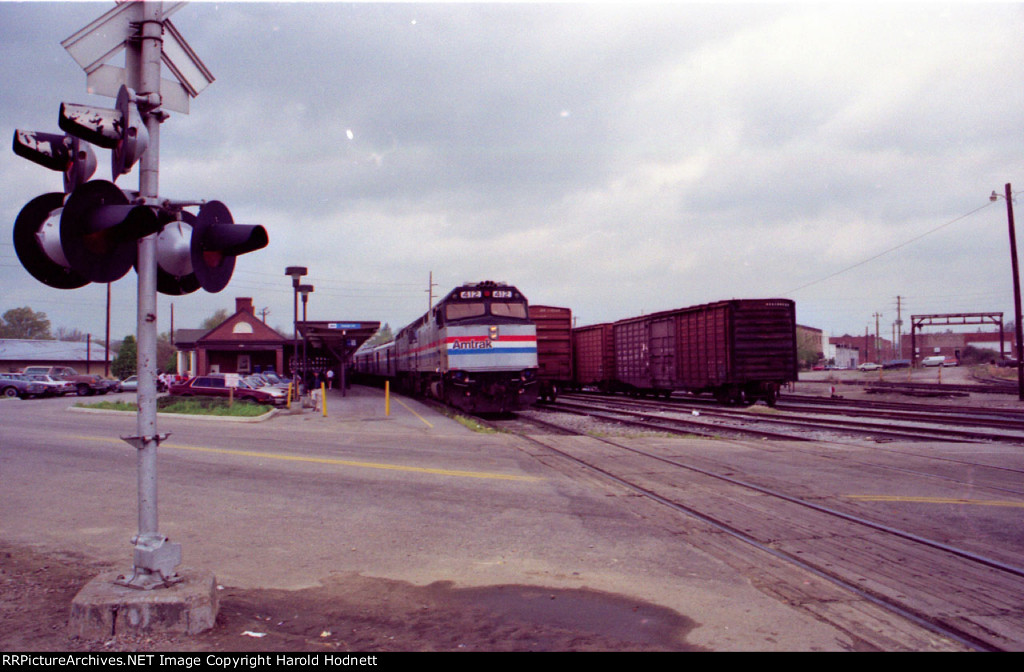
[(470, 345)]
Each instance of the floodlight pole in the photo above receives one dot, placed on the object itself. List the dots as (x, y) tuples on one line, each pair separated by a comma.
[(305, 290)]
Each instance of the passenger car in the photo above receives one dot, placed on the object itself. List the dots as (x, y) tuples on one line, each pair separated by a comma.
[(869, 366), (219, 385), (15, 385), (82, 384), (54, 387), (280, 394), (93, 384)]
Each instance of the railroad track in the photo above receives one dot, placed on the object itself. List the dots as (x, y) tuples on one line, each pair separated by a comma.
[(867, 572), (789, 421)]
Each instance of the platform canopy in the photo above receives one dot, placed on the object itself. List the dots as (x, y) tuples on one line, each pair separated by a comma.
[(339, 338)]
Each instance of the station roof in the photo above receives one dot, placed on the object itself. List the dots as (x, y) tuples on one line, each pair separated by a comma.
[(340, 338)]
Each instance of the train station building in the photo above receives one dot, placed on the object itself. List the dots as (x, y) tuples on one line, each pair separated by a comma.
[(244, 344)]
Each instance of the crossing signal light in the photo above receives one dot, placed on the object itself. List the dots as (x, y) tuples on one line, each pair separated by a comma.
[(100, 229), (91, 236), (37, 243), (64, 153), (90, 232), (120, 129), (200, 251)]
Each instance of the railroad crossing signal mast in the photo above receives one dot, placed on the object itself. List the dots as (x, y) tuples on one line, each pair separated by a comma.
[(95, 232)]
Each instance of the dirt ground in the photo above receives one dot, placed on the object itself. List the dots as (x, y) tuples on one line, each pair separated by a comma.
[(347, 613)]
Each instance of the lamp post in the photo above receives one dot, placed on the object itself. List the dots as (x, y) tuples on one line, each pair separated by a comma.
[(296, 273), (1016, 290), (305, 290)]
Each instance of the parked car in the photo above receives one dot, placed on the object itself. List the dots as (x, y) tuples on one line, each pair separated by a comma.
[(83, 384), (258, 382), (869, 366), (275, 380), (934, 360), (93, 384), (54, 387), (16, 385), (897, 364), (131, 384), (216, 385)]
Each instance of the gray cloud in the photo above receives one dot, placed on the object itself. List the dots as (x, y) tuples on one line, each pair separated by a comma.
[(609, 157)]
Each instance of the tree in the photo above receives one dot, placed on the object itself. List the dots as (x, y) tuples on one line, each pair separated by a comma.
[(166, 353), (215, 319), (71, 334), (25, 323), (382, 336), (125, 363)]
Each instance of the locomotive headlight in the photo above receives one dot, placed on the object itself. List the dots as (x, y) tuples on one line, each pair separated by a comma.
[(494, 332)]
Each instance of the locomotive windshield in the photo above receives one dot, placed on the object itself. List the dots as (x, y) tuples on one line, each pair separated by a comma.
[(504, 303), (504, 309)]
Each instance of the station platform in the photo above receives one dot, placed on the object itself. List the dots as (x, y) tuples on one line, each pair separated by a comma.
[(362, 403)]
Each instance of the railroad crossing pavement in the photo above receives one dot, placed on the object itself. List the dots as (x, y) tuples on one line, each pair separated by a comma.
[(412, 496)]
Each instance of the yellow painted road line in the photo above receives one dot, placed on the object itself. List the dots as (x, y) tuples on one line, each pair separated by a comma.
[(335, 461), (406, 407), (936, 500)]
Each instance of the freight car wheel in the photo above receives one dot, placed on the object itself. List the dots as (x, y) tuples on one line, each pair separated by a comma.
[(730, 394)]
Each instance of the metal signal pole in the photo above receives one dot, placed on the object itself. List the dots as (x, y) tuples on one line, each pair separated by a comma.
[(155, 558)]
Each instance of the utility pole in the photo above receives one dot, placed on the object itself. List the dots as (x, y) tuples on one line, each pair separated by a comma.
[(1016, 292), (430, 292), (878, 345), (898, 339)]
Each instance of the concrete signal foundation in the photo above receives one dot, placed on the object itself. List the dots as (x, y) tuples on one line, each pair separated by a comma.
[(105, 609)]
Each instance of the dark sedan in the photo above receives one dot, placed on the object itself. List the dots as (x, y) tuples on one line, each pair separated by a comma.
[(219, 385)]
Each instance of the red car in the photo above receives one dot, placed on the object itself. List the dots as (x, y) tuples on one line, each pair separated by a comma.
[(217, 385)]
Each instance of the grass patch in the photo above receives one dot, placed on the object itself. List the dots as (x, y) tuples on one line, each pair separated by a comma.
[(473, 424), (215, 406), (110, 405)]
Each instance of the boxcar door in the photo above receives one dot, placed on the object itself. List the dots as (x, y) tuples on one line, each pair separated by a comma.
[(663, 353)]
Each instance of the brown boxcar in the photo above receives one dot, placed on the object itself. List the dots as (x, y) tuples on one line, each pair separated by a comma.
[(554, 349), (594, 357), (742, 351)]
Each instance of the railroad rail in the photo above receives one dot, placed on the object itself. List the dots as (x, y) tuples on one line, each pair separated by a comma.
[(973, 599), (790, 421)]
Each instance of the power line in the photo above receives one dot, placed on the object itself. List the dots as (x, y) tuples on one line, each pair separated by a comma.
[(891, 249)]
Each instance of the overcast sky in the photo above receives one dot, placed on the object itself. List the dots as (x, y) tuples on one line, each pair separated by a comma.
[(615, 158)]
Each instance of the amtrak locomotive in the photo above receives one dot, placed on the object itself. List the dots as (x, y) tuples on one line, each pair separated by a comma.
[(475, 350)]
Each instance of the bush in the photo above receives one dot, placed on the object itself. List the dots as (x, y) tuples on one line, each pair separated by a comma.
[(209, 406), (972, 355)]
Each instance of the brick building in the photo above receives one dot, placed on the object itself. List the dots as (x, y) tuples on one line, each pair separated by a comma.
[(240, 344)]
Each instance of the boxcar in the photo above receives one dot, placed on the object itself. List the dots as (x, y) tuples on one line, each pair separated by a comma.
[(554, 349), (593, 352), (741, 351)]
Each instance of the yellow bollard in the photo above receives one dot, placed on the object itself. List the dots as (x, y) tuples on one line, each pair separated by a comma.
[(289, 404), (387, 397), (323, 398)]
